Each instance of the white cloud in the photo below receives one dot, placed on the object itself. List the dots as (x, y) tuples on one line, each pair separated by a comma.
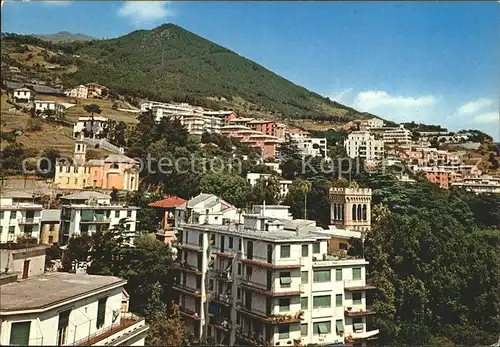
[(475, 106), (488, 117), (145, 12), (396, 108), (342, 96), (57, 3)]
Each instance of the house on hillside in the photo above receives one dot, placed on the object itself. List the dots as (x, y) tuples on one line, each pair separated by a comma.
[(89, 90), (23, 95), (42, 106), (84, 126)]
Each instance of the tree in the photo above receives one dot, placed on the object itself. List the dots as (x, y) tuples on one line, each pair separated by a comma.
[(48, 164), (234, 189), (265, 190), (92, 109), (168, 330)]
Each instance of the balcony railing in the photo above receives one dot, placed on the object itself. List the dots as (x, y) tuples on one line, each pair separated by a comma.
[(271, 317), (128, 324), (224, 275), (189, 246), (263, 262), (225, 299), (28, 220), (358, 311), (253, 338), (357, 285), (220, 323), (360, 335), (188, 313), (96, 221), (188, 290), (268, 291), (187, 268)]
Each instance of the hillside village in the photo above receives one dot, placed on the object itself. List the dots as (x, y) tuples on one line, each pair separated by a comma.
[(271, 255)]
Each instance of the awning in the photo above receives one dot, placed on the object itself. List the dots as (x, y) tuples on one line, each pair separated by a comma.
[(285, 280), (340, 326), (358, 326), (323, 328)]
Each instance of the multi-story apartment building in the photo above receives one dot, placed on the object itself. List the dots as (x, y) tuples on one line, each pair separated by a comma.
[(49, 226), (481, 184), (367, 124), (281, 130), (267, 127), (397, 136), (253, 177), (58, 308), (116, 171), (307, 145), (19, 216), (361, 144), (269, 281), (89, 211), (266, 144)]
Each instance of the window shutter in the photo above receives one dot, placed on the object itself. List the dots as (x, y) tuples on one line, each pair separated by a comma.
[(20, 333)]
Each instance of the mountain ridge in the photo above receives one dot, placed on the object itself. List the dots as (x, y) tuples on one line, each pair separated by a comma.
[(64, 36)]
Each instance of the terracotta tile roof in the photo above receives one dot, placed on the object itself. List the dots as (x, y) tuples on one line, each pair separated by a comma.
[(168, 202)]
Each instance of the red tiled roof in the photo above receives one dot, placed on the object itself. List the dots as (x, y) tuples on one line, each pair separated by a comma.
[(168, 202)]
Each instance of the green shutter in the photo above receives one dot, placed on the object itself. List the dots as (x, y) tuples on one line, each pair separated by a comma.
[(323, 301), (101, 312), (316, 247), (20, 333), (285, 251), (340, 326), (356, 273), (338, 274), (304, 303), (321, 328), (305, 250), (87, 215), (338, 300), (303, 329), (321, 276), (304, 277), (285, 280), (356, 298)]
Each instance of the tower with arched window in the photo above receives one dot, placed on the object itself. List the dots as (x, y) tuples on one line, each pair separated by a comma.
[(350, 208), (79, 153)]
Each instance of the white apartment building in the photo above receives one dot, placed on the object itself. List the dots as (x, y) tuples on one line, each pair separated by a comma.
[(83, 126), (366, 124), (23, 95), (42, 106), (270, 281), (361, 144), (307, 145), (205, 208), (397, 136), (20, 216), (59, 308), (253, 177), (481, 184), (89, 211), (80, 92)]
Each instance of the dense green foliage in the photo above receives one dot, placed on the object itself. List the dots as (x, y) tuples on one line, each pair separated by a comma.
[(171, 64)]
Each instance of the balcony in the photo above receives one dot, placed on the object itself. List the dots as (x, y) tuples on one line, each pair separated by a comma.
[(229, 254), (220, 323), (96, 220), (129, 326), (358, 311), (262, 262), (25, 220), (252, 338), (187, 290), (270, 317), (224, 275), (188, 313), (357, 285), (185, 267), (264, 290), (189, 246), (222, 298), (361, 335)]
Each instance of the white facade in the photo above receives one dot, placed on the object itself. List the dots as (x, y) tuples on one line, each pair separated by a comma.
[(366, 124), (19, 219), (307, 145), (481, 184), (87, 212), (23, 95), (80, 92), (83, 126), (399, 136), (205, 208), (361, 144), (43, 105), (68, 309), (270, 280), (253, 177)]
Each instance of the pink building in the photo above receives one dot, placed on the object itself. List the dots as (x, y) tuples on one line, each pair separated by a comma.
[(267, 127), (256, 139)]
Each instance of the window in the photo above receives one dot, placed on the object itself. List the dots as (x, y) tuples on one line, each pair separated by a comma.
[(117, 214), (322, 328), (285, 251), (238, 293), (303, 330), (321, 276), (11, 229), (101, 313), (212, 239), (1, 214), (67, 180), (211, 284), (20, 333), (284, 331), (200, 240), (62, 327), (285, 305), (304, 277), (285, 279), (51, 239), (304, 303), (323, 301), (239, 269), (342, 245), (129, 214), (12, 214), (356, 273), (230, 242), (127, 226), (338, 275), (356, 298), (305, 250), (339, 326), (316, 247), (76, 180), (338, 300)]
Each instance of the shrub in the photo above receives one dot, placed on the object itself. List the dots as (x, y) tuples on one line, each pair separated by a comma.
[(34, 124)]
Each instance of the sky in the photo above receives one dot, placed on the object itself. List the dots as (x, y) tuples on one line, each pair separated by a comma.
[(430, 62)]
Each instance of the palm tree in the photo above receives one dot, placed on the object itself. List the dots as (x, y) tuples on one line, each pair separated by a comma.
[(92, 109)]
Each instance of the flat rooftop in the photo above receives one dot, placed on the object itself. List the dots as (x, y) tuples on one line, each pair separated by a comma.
[(50, 289)]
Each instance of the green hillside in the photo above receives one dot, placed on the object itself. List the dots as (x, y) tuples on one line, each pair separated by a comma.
[(172, 64), (64, 36)]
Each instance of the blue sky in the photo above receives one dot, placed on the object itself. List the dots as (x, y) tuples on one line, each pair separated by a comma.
[(428, 62)]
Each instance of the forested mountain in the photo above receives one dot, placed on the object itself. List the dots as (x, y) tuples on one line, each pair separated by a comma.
[(64, 36)]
